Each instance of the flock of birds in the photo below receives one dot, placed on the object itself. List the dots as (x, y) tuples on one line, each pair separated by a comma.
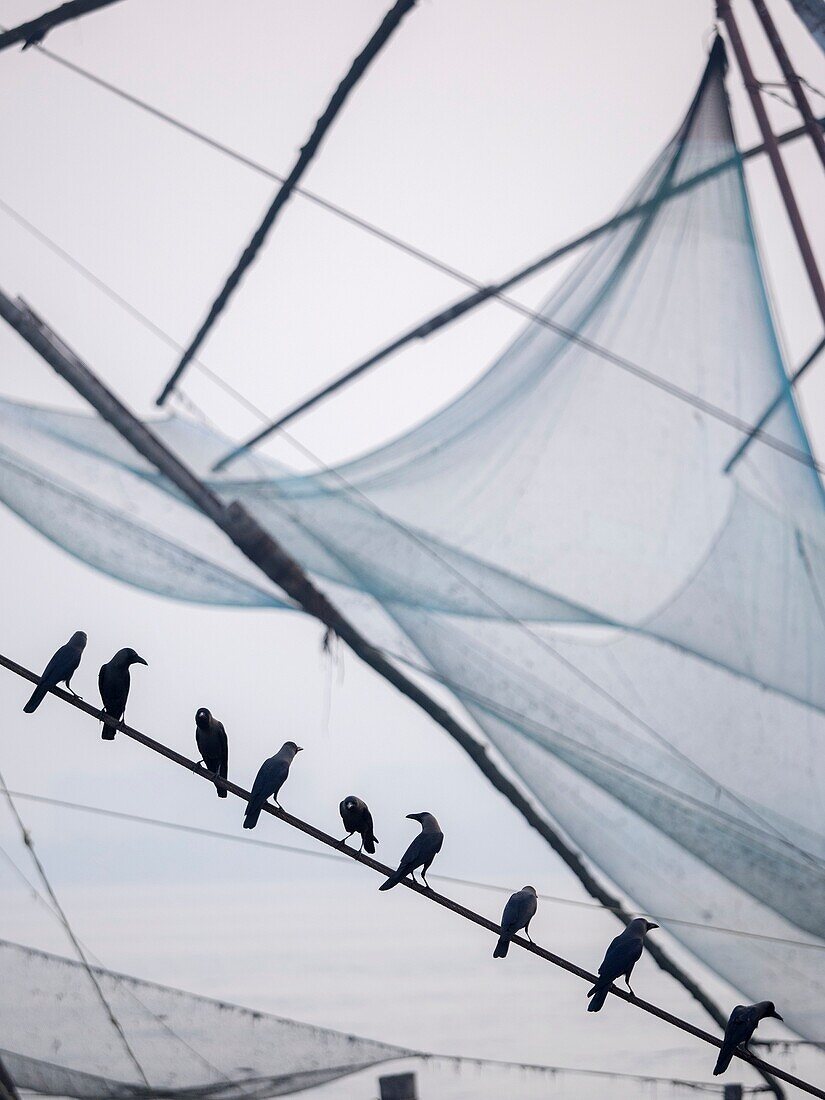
[(621, 956)]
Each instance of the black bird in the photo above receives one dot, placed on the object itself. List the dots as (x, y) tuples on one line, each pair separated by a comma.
[(741, 1026), (420, 853), (356, 816), (620, 958), (518, 912), (59, 670), (269, 780), (113, 681), (212, 745)]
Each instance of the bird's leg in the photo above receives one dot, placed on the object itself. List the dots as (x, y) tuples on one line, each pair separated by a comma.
[(627, 983), (360, 850), (424, 877), (343, 843), (527, 931), (196, 766), (412, 876), (72, 691)]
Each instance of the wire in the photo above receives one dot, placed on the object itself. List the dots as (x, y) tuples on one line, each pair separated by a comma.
[(291, 849), (428, 893), (81, 954)]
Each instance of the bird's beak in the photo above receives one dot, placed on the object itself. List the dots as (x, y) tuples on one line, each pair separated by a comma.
[(651, 926), (776, 1016), (299, 748), (414, 817), (140, 661)]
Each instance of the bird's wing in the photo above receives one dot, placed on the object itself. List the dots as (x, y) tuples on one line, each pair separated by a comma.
[(621, 954), (741, 1025), (223, 741), (57, 667), (101, 680), (417, 852), (512, 914)]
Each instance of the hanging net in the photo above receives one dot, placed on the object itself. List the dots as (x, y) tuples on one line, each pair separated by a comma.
[(634, 622), (57, 1040)]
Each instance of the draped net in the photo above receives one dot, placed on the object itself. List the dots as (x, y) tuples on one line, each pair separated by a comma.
[(635, 624), (56, 1039)]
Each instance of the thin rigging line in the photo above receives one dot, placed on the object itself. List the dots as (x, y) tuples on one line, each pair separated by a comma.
[(389, 24), (81, 954), (429, 894), (291, 849), (125, 986)]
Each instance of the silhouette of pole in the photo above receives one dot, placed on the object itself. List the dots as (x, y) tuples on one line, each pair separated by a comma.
[(359, 66), (35, 30), (725, 13), (791, 78)]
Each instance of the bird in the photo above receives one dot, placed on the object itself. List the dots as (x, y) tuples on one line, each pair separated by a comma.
[(269, 780), (619, 959), (420, 853), (212, 745), (356, 816), (518, 912), (59, 670), (739, 1031), (113, 681)]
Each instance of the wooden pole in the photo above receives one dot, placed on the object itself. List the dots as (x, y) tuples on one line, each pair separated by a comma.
[(725, 13), (791, 78)]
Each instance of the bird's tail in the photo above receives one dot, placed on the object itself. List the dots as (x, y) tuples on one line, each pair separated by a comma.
[(108, 732), (723, 1061), (393, 880), (37, 697), (502, 947), (222, 791), (370, 840), (598, 995), (252, 815)]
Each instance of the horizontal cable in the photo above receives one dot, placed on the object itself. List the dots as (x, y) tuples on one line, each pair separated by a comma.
[(292, 849), (429, 894)]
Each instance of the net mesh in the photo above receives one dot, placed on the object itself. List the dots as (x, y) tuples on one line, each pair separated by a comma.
[(186, 1044), (636, 628)]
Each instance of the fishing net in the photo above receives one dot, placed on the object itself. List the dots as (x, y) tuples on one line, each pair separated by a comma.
[(628, 604), (186, 1045)]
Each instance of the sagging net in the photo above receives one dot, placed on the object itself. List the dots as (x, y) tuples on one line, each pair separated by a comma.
[(56, 1039), (634, 623)]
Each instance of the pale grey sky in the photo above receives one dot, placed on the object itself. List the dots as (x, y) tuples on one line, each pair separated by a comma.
[(487, 131)]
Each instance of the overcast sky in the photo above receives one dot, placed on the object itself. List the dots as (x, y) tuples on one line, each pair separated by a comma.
[(488, 131)]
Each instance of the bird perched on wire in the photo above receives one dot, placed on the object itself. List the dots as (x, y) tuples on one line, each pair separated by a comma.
[(740, 1028), (59, 670), (620, 958), (268, 782), (420, 853), (212, 745), (518, 912), (356, 816), (114, 681)]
